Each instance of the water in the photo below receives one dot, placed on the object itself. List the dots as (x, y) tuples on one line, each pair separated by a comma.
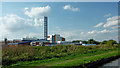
[(112, 64)]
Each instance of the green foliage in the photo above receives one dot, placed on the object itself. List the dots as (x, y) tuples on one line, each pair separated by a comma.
[(76, 41), (15, 54), (85, 42), (92, 41), (104, 42), (111, 42)]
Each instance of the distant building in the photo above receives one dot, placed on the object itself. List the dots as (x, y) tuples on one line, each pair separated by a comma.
[(41, 42), (29, 39), (17, 40), (65, 42), (54, 38), (25, 43)]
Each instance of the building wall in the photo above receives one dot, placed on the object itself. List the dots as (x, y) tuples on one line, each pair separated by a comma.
[(55, 37), (63, 39)]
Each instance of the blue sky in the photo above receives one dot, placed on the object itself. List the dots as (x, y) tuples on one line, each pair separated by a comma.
[(72, 20), (60, 1)]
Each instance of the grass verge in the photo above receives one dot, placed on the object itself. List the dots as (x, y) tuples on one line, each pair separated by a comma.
[(69, 61)]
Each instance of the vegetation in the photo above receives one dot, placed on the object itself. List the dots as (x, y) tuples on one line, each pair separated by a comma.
[(92, 41), (42, 55), (104, 42), (111, 42), (72, 60), (14, 55)]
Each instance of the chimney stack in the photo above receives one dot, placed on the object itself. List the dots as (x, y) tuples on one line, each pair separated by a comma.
[(45, 28)]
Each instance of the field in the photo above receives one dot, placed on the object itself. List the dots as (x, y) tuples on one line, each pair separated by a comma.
[(60, 55)]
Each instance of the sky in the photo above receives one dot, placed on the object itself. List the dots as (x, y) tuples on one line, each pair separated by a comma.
[(72, 20), (60, 0)]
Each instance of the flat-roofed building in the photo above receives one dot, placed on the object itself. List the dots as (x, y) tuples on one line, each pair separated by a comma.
[(54, 38)]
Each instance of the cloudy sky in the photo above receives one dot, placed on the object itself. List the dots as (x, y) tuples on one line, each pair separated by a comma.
[(72, 20)]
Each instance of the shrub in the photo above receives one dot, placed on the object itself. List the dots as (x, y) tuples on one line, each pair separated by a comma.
[(27, 53)]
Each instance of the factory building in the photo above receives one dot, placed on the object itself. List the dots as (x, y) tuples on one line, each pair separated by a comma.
[(29, 39), (47, 41), (41, 42), (25, 43), (54, 38)]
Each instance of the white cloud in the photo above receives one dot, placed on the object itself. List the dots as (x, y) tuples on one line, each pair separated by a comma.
[(14, 23), (38, 22), (102, 31), (114, 27), (70, 34), (112, 21), (107, 15), (98, 25), (37, 35), (37, 12), (82, 33), (105, 31), (85, 35), (26, 8), (92, 32), (69, 7), (112, 18), (12, 26)]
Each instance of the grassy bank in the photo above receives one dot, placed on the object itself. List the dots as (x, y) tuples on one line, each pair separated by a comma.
[(61, 55), (77, 60)]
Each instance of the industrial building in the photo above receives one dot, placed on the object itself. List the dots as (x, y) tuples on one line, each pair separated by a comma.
[(25, 43), (29, 39), (54, 38), (48, 40), (41, 42)]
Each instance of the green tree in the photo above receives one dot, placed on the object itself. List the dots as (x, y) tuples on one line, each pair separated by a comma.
[(76, 41), (92, 41), (97, 42), (104, 42), (111, 42), (86, 42)]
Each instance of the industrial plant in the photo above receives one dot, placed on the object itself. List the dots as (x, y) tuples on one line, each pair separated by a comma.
[(49, 40)]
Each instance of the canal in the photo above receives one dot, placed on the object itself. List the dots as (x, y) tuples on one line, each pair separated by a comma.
[(115, 64)]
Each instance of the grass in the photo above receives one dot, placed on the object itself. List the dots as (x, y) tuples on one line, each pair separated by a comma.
[(84, 60), (70, 60), (61, 55)]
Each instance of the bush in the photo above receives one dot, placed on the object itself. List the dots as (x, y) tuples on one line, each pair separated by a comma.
[(27, 53), (111, 42)]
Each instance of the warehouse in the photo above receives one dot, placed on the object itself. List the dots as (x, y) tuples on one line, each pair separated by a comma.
[(41, 42), (25, 43)]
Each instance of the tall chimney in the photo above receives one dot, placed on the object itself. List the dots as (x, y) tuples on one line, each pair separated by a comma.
[(45, 28)]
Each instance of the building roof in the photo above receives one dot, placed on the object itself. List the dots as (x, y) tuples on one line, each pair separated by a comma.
[(18, 43)]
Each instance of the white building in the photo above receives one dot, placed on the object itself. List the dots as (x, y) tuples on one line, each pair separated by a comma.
[(54, 38), (27, 38)]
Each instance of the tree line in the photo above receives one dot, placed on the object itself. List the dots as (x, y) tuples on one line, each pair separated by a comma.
[(92, 41)]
